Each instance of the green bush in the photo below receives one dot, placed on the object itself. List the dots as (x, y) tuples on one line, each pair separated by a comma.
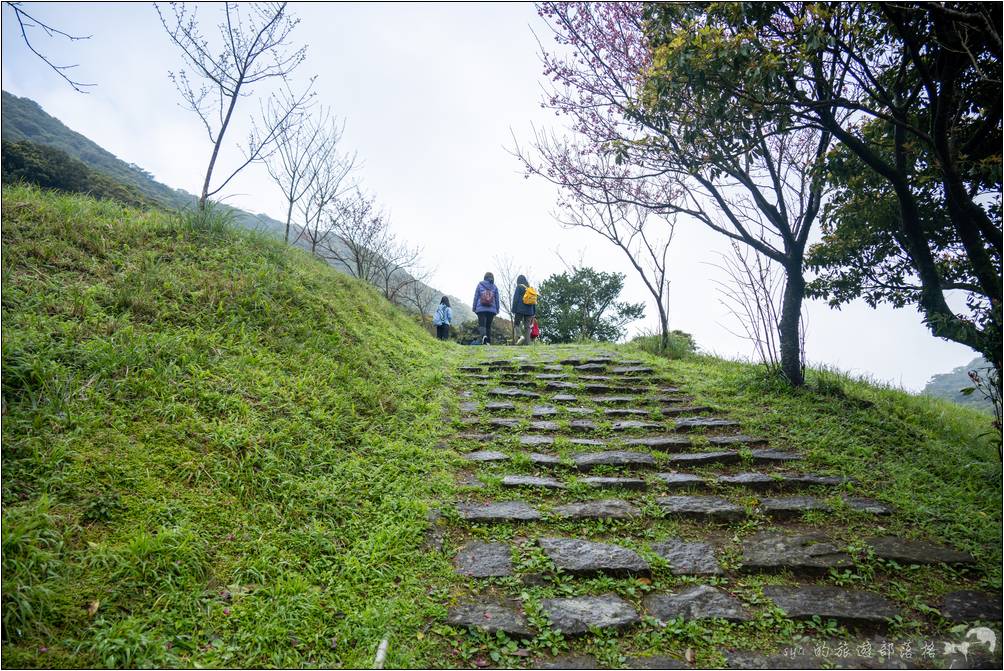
[(680, 345)]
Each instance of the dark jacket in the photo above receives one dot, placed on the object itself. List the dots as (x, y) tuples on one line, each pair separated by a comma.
[(518, 306), (477, 306)]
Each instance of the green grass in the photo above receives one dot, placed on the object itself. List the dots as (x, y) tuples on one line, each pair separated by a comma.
[(216, 451)]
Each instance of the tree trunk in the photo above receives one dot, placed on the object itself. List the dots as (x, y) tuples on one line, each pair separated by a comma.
[(664, 323), (289, 218), (788, 328)]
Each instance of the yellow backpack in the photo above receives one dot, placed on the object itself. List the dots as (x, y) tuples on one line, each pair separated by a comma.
[(530, 296)]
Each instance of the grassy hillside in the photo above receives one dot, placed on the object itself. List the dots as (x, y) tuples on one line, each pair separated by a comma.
[(216, 451)]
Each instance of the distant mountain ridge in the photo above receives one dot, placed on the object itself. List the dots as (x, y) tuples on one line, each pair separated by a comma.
[(949, 386), (24, 119)]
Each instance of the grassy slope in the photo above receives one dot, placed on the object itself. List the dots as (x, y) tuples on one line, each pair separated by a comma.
[(224, 447)]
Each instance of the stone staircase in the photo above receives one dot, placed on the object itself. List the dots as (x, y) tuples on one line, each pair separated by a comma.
[(599, 502)]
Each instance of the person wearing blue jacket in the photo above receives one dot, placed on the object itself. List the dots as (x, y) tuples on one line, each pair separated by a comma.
[(442, 319), (522, 313), (486, 306)]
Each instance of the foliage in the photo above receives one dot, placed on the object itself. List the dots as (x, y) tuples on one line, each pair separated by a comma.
[(681, 344), (216, 450), (950, 386), (583, 306), (51, 168), (467, 332)]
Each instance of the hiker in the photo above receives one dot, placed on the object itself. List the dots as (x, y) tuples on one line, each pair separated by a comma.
[(442, 319), (534, 331), (486, 306), (524, 307)]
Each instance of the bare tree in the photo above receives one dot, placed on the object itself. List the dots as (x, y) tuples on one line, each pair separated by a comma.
[(254, 47), (420, 298), (328, 177), (299, 139), (506, 273), (26, 21), (625, 224)]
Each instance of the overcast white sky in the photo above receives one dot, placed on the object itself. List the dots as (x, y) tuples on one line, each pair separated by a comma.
[(431, 95)]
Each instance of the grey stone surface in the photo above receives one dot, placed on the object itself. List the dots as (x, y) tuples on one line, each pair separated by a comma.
[(700, 602), (634, 425), (486, 455), (808, 659), (916, 552), (787, 507), (594, 388), (846, 606), (544, 425), (560, 385), (662, 398), (681, 480), (688, 558), (552, 376), (968, 605), (531, 481), (596, 378), (594, 442), (676, 411), (582, 425), (614, 483), (484, 560), (591, 366), (500, 511), (667, 443), (611, 400), (506, 422), (631, 370), (541, 459), (738, 439), (497, 406), (656, 662), (543, 410), (771, 551), (564, 398), (530, 441), (568, 662), (469, 406), (780, 481), (512, 393), (626, 412), (476, 436), (576, 615), (590, 460), (687, 459), (598, 509), (774, 456), (574, 410), (702, 508), (670, 390), (469, 420), (870, 506), (689, 423), (490, 616), (586, 558)]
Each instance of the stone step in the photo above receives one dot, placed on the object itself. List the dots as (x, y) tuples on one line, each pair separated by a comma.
[(577, 615), (916, 552), (780, 481), (501, 511), (688, 558), (614, 483), (702, 508), (689, 459), (531, 481), (490, 616), (588, 461), (846, 606), (587, 558), (783, 508), (674, 411), (665, 443), (531, 441), (543, 411), (582, 425), (590, 366), (626, 412), (970, 606), (631, 370), (634, 425), (774, 456), (512, 393), (564, 398), (806, 553), (681, 480), (499, 406), (599, 509), (612, 400), (691, 423), (486, 456), (699, 602), (484, 560)]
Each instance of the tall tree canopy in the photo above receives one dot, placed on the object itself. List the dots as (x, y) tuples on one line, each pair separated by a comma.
[(583, 305)]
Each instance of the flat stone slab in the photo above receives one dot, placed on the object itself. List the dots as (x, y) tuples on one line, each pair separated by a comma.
[(558, 384), (770, 551), (738, 439), (631, 370), (586, 558), (670, 399), (552, 376), (574, 410), (469, 406), (970, 606), (530, 441), (574, 361), (484, 560), (765, 481), (482, 456), (544, 425), (916, 552), (568, 662), (531, 481), (501, 511), (656, 662), (634, 425), (594, 442), (578, 614), (700, 602), (687, 459), (846, 606), (596, 378), (475, 436), (614, 483), (667, 443), (496, 406), (582, 425), (681, 480), (774, 456), (615, 399), (591, 366), (490, 616), (506, 422), (702, 508), (626, 412), (688, 558), (590, 460), (543, 410), (870, 506), (564, 398), (676, 411), (541, 459), (691, 423), (512, 393), (600, 509), (792, 506)]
